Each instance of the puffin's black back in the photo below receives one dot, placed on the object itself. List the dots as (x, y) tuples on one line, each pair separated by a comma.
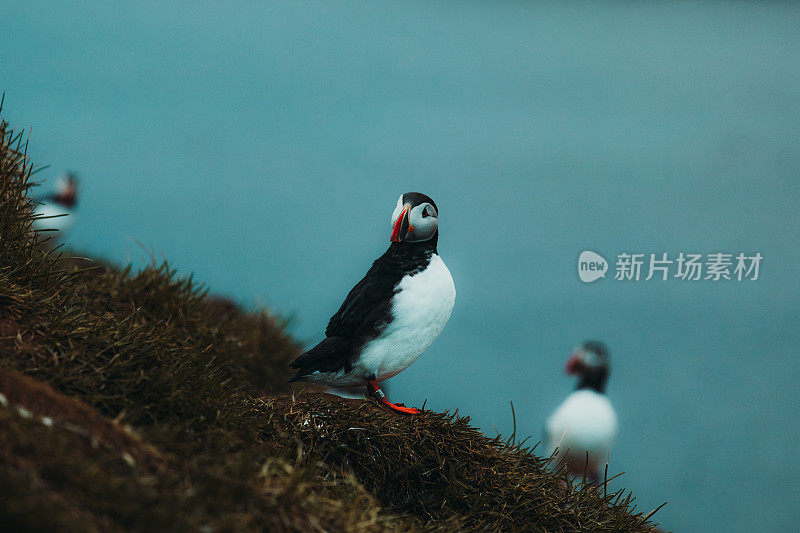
[(367, 309)]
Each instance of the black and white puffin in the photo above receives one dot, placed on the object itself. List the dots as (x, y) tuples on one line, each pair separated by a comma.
[(585, 422), (392, 315), (57, 210)]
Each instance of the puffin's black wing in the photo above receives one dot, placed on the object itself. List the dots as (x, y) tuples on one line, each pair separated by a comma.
[(365, 311), (358, 312)]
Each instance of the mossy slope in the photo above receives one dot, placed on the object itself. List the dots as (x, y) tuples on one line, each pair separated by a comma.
[(134, 402)]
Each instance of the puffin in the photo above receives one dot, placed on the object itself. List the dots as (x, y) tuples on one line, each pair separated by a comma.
[(585, 422), (393, 314), (51, 210)]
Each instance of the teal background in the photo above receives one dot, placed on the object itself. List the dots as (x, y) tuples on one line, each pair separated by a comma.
[(262, 146)]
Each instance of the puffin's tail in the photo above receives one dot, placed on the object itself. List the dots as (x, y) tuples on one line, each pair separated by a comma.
[(296, 377), (330, 355)]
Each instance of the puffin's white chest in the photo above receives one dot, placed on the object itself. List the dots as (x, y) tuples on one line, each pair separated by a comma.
[(584, 422), (58, 221), (420, 310)]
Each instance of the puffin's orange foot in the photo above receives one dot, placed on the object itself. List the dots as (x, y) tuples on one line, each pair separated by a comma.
[(400, 408), (378, 394)]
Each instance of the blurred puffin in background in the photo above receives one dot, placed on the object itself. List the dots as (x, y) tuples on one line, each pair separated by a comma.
[(392, 315), (585, 422), (56, 211)]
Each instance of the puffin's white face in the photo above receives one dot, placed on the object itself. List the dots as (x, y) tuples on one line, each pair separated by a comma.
[(66, 184), (588, 357), (414, 218)]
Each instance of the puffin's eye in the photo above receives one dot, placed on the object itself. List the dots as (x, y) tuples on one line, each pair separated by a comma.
[(425, 212)]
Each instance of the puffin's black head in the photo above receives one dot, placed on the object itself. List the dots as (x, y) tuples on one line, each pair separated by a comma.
[(590, 361), (414, 219), (66, 190)]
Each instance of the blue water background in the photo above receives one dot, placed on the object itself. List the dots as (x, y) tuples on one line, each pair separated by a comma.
[(262, 147)]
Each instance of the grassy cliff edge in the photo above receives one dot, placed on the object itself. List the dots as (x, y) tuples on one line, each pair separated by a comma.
[(132, 401)]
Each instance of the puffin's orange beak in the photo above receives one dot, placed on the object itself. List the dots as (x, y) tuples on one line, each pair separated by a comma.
[(573, 363), (401, 225)]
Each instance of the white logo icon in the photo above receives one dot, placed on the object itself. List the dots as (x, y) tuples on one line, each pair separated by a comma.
[(591, 266)]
